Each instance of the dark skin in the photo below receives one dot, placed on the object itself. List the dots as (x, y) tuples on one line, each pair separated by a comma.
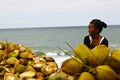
[(94, 32)]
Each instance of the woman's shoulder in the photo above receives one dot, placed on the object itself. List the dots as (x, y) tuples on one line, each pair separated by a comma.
[(104, 38), (86, 36)]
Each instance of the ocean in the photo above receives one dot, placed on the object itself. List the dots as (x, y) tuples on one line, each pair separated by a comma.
[(48, 38)]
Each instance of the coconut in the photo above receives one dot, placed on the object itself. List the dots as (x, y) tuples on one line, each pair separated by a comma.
[(72, 66), (99, 55), (72, 77), (105, 72), (23, 61), (40, 76), (49, 68), (3, 62), (86, 76), (38, 64), (10, 76), (56, 76), (3, 45), (12, 60), (28, 73), (29, 49), (2, 55), (49, 59), (14, 53), (114, 59), (11, 46), (26, 54), (21, 48), (82, 52), (19, 68)]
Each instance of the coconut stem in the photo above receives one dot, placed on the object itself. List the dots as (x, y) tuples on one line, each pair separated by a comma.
[(68, 54)]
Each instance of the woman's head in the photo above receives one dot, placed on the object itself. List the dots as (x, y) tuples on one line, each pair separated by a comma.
[(96, 26)]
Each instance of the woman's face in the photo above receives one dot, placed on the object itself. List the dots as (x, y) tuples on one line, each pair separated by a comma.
[(92, 30)]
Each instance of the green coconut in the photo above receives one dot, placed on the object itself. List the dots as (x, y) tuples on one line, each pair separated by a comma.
[(30, 62), (56, 76), (46, 70), (43, 68), (2, 55), (3, 45), (72, 66), (28, 73), (49, 68), (72, 77), (14, 53), (28, 49), (99, 55), (10, 76), (19, 68), (26, 54), (114, 59), (82, 52), (86, 76), (1, 68), (23, 61), (40, 76), (12, 60), (11, 46), (105, 72)]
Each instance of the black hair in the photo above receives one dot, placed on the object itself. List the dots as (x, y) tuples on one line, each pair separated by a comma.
[(99, 24)]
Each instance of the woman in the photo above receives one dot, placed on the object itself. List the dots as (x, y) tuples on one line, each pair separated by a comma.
[(94, 38)]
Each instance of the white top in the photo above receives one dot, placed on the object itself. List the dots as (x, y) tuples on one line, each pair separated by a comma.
[(100, 41)]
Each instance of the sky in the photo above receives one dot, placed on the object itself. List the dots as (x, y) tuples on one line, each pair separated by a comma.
[(53, 13)]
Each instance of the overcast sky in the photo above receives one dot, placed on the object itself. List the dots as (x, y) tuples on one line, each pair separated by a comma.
[(52, 13)]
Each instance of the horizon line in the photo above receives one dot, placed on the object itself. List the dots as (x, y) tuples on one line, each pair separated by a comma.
[(50, 27)]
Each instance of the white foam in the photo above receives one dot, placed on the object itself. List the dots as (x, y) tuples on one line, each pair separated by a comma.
[(59, 58)]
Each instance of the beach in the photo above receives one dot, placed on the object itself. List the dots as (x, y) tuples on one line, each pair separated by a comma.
[(47, 39)]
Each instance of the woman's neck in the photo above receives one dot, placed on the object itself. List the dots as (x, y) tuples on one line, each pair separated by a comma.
[(97, 36)]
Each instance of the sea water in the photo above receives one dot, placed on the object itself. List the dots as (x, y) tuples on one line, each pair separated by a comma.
[(48, 39)]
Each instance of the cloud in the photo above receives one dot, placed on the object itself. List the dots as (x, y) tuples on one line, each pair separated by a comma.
[(57, 12)]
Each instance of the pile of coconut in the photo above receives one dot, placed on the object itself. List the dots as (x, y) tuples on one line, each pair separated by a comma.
[(18, 62)]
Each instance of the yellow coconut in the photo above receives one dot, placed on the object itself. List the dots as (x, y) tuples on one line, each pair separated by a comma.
[(28, 73), (12, 60), (10, 76), (40, 76), (29, 49), (82, 52), (49, 68), (14, 53), (98, 55), (11, 46), (114, 60), (38, 64), (26, 54), (19, 68), (23, 61), (21, 48), (72, 77), (3, 45), (2, 55), (72, 66), (105, 72), (56, 76), (86, 76)]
